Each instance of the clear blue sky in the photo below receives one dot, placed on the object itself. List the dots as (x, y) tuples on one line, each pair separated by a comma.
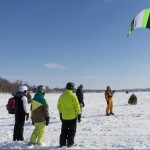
[(52, 42)]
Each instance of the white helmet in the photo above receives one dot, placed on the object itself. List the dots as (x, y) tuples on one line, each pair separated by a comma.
[(22, 88)]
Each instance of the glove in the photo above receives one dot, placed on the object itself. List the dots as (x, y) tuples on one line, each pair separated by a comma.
[(79, 118), (27, 116), (32, 121), (61, 116), (47, 121), (83, 104)]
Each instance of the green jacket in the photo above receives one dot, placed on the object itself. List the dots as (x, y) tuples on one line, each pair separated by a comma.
[(68, 105), (39, 108)]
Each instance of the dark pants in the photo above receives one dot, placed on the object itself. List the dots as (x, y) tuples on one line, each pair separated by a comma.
[(18, 128), (68, 131)]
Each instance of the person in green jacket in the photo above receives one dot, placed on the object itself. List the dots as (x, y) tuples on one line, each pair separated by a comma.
[(40, 116), (69, 109)]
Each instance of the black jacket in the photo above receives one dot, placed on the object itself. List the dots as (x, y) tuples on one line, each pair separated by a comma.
[(79, 94), (19, 109)]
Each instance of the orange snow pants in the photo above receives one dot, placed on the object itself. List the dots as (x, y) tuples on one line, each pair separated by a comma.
[(109, 108)]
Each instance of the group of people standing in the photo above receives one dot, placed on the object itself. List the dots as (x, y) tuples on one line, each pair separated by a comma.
[(69, 107)]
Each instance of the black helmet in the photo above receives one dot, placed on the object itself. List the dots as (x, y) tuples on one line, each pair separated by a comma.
[(81, 86), (70, 86), (41, 88)]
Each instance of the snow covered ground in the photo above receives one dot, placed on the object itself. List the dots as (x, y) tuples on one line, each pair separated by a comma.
[(128, 129)]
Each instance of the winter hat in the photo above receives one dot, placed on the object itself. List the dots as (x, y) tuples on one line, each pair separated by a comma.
[(108, 88)]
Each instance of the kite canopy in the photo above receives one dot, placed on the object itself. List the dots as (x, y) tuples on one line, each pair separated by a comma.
[(141, 20)]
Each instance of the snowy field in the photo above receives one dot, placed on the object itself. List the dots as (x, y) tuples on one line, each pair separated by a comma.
[(128, 129)]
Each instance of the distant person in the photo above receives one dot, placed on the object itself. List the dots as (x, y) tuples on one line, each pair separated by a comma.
[(127, 92), (80, 96), (40, 116), (69, 109), (29, 97), (108, 96), (21, 113)]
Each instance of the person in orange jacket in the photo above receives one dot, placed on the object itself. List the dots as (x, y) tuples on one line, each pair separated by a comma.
[(108, 96)]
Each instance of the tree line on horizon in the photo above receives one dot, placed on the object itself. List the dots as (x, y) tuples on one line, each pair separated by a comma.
[(11, 87)]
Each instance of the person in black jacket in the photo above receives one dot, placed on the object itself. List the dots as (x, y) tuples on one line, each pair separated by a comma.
[(21, 113), (79, 94)]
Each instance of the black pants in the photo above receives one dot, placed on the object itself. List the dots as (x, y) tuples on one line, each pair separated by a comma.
[(68, 131), (18, 128)]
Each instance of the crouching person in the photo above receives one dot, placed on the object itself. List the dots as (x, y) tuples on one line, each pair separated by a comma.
[(39, 115), (69, 109)]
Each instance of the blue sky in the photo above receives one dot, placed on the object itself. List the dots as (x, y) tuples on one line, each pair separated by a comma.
[(52, 42)]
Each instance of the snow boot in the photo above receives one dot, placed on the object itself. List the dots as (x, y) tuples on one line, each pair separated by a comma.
[(29, 144), (61, 146), (111, 113), (71, 145)]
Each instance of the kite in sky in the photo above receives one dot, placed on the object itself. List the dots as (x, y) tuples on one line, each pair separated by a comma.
[(141, 20)]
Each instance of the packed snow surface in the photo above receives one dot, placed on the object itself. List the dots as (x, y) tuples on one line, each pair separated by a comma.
[(129, 128)]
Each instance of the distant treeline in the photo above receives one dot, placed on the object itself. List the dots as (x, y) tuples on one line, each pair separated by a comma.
[(11, 87)]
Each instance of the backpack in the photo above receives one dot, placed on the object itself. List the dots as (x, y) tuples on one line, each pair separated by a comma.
[(11, 106)]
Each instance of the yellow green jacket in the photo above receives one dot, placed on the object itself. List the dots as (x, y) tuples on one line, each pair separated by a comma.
[(68, 105)]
